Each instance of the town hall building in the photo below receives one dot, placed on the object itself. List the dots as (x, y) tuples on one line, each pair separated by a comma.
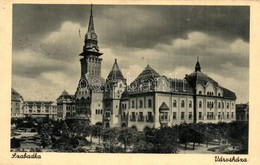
[(151, 100)]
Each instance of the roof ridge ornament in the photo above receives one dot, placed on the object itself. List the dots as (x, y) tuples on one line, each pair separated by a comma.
[(197, 66)]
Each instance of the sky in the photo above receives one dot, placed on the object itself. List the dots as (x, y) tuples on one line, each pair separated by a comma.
[(47, 41)]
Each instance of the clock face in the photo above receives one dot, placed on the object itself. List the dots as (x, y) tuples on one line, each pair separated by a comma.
[(93, 36)]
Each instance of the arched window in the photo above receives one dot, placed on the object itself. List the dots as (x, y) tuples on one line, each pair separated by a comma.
[(200, 104), (141, 104), (182, 104), (219, 94), (200, 92), (174, 103), (223, 105), (219, 106), (190, 104), (96, 111), (227, 105)]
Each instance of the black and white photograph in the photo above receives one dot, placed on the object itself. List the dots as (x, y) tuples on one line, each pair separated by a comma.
[(110, 78)]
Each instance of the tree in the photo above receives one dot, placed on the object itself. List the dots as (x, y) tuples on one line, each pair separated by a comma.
[(96, 132), (238, 136), (196, 136), (183, 134), (15, 143), (127, 136), (110, 136)]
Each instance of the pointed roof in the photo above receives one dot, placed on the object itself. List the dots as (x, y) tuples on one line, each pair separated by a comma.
[(91, 43), (164, 107), (147, 74), (15, 96), (197, 66), (198, 77), (91, 21), (115, 73), (64, 93)]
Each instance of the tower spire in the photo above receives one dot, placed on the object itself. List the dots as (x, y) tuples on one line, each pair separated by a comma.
[(91, 42), (197, 67), (91, 22)]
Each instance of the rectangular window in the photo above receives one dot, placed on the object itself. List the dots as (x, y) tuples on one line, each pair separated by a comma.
[(190, 115), (141, 116), (200, 115), (174, 115), (182, 115), (210, 115), (164, 115), (133, 104), (149, 103), (107, 114), (133, 114)]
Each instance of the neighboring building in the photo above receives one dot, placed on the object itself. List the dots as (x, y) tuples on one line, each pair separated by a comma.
[(151, 100), (40, 109), (16, 104), (65, 105), (242, 112)]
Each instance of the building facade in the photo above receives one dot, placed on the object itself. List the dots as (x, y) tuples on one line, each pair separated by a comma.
[(16, 104), (65, 105), (37, 109), (242, 112), (151, 100)]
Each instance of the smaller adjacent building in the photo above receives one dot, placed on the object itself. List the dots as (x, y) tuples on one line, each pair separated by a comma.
[(40, 109), (242, 112), (65, 105), (16, 104)]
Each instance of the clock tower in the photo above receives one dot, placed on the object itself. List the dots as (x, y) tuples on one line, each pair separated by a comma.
[(89, 93), (91, 61)]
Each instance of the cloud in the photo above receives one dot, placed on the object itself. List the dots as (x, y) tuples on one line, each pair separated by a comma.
[(46, 43), (132, 26)]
